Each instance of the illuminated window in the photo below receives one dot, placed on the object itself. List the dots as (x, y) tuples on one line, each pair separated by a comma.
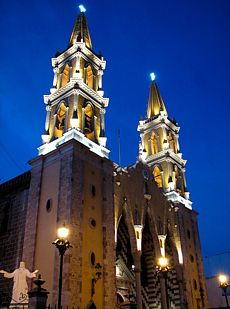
[(157, 176), (171, 142), (179, 180), (89, 76), (60, 121), (154, 144), (65, 76), (89, 121)]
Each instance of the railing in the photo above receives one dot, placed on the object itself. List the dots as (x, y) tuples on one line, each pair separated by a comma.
[(20, 306)]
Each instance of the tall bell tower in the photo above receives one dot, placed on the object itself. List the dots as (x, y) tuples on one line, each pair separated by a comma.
[(76, 106), (72, 181), (159, 148)]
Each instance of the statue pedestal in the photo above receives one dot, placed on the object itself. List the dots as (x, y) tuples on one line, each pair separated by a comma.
[(38, 296)]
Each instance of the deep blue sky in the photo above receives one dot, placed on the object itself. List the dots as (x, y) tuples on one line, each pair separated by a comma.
[(186, 43)]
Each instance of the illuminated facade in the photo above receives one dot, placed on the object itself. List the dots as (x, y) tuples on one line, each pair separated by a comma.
[(126, 219)]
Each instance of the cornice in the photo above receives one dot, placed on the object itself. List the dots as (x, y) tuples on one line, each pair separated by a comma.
[(77, 49), (175, 197), (156, 123), (78, 136), (165, 155), (76, 85)]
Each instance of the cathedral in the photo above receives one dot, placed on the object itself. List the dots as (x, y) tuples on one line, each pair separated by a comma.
[(127, 219)]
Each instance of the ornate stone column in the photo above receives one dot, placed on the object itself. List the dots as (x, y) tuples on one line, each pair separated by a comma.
[(100, 91), (74, 119), (46, 135), (102, 138)]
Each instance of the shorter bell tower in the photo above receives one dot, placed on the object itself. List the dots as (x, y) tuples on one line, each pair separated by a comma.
[(76, 105), (159, 148)]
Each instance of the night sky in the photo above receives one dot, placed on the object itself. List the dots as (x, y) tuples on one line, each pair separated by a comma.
[(186, 44)]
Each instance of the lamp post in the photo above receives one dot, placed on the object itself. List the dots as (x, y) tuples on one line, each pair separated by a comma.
[(62, 244), (224, 286), (162, 269)]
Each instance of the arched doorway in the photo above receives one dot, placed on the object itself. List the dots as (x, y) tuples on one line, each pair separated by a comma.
[(151, 294), (125, 276)]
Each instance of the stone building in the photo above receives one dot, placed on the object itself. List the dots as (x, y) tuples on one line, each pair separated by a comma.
[(124, 218)]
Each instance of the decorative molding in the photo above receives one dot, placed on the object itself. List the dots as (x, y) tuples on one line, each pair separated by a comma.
[(162, 155), (79, 48), (80, 137), (175, 197)]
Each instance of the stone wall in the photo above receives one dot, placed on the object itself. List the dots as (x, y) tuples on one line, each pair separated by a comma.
[(13, 208)]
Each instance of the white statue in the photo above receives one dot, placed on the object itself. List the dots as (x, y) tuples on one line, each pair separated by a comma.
[(20, 287)]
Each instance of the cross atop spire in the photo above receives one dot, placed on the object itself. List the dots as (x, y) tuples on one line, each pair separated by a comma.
[(80, 30)]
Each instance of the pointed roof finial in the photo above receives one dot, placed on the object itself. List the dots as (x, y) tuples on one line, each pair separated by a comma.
[(80, 31), (155, 102), (82, 8), (153, 76)]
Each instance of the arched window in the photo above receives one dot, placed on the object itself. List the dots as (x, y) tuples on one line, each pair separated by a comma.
[(157, 176), (65, 75), (171, 142), (179, 180), (89, 121), (154, 143), (89, 76), (92, 306), (60, 121)]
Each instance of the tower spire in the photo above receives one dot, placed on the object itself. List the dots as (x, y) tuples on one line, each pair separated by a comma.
[(80, 31), (155, 102)]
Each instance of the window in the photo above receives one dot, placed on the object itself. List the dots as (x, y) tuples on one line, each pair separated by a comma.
[(65, 75), (92, 223), (60, 120), (194, 284), (89, 76), (157, 176), (191, 258), (49, 205), (89, 121), (93, 190), (92, 259), (154, 144), (171, 141), (188, 234)]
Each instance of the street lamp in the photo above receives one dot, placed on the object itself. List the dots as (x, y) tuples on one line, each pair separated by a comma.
[(162, 268), (62, 244), (224, 286)]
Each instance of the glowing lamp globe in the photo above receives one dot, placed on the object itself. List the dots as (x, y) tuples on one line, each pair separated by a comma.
[(63, 232), (82, 8), (163, 262), (222, 279)]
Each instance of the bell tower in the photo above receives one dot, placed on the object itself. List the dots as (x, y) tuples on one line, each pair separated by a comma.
[(159, 148), (76, 105)]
